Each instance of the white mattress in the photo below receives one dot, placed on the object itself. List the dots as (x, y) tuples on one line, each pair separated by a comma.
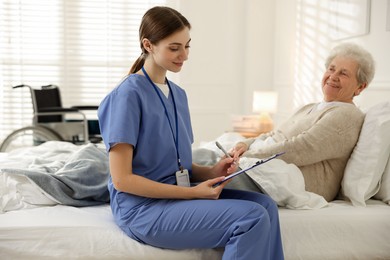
[(77, 233), (339, 231)]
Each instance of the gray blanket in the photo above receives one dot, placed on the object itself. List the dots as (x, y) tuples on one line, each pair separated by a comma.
[(72, 175)]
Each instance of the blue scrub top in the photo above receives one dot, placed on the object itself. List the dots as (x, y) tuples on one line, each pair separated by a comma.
[(133, 113)]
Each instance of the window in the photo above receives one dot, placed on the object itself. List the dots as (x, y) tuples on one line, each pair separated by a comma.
[(83, 46)]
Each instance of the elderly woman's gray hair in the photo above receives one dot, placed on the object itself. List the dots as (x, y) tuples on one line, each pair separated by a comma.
[(366, 63)]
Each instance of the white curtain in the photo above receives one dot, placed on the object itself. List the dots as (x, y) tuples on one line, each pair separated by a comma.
[(83, 46)]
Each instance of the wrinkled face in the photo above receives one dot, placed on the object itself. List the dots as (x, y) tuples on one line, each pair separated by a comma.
[(339, 82), (171, 52)]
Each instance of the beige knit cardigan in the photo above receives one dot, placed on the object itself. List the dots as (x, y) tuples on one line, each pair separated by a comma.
[(318, 142)]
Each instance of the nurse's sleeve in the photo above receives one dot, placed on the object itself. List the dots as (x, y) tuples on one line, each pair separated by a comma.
[(119, 118)]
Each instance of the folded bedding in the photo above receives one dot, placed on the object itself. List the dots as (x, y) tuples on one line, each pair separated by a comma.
[(54, 173)]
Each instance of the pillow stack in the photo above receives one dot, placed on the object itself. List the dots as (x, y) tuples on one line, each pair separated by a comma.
[(365, 174)]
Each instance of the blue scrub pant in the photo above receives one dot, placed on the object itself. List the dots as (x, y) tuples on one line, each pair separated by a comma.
[(245, 223)]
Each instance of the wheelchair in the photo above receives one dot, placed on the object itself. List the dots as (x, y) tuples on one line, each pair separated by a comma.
[(52, 122)]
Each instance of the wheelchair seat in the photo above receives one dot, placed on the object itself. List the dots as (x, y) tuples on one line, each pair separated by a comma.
[(48, 111), (52, 121)]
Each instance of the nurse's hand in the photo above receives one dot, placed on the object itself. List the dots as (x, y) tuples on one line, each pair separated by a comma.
[(206, 189), (225, 166)]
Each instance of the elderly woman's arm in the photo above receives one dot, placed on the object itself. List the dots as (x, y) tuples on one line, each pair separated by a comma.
[(332, 135)]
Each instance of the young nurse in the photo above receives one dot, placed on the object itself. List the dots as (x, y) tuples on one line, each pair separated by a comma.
[(146, 127)]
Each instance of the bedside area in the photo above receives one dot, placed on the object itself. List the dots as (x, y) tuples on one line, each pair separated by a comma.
[(263, 103)]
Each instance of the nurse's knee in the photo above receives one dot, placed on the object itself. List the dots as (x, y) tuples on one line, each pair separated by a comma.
[(268, 204), (272, 206), (259, 215)]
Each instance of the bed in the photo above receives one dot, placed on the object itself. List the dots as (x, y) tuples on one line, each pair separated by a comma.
[(340, 231), (71, 221)]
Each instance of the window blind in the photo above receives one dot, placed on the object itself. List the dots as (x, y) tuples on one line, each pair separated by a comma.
[(83, 46)]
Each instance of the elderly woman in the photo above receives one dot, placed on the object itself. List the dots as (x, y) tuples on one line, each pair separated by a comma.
[(320, 137)]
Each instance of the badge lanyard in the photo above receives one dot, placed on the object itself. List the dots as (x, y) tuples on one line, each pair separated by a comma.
[(176, 140)]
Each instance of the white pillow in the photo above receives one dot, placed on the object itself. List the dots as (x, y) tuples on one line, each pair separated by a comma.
[(384, 191), (284, 183), (365, 167)]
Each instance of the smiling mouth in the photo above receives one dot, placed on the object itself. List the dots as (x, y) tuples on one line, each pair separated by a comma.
[(332, 85)]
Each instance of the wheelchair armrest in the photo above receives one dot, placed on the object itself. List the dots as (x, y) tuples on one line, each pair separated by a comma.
[(86, 107), (57, 109)]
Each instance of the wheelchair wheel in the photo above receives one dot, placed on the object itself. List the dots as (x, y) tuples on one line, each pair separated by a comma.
[(27, 137)]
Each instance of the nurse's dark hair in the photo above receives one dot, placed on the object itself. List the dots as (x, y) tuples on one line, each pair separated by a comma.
[(158, 23)]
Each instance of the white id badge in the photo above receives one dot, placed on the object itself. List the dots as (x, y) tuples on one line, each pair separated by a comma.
[(183, 178)]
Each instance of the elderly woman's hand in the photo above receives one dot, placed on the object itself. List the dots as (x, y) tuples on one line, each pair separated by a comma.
[(238, 150)]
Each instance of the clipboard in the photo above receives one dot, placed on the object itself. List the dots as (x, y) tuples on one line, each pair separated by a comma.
[(258, 163)]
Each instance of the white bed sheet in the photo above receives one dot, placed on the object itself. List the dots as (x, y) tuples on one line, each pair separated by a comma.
[(77, 233), (339, 231)]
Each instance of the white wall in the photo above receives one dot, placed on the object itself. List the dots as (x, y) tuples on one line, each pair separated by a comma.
[(378, 42), (303, 40), (239, 46), (231, 55)]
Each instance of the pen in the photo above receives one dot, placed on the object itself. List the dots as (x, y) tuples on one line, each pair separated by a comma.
[(224, 151)]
